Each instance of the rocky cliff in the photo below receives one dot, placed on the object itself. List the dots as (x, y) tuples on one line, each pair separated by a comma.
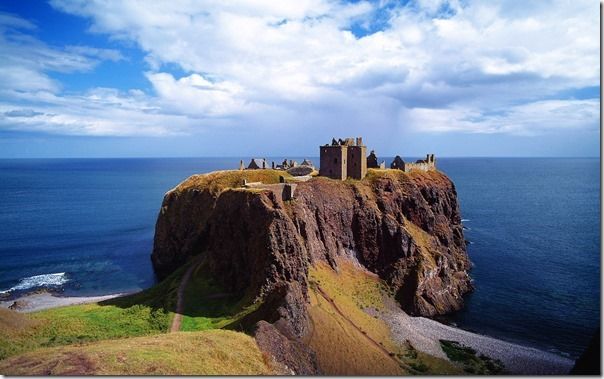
[(404, 227)]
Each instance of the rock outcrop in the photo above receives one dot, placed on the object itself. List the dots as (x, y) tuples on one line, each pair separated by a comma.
[(405, 227)]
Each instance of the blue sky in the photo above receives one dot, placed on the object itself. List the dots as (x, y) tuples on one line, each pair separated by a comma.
[(246, 78)]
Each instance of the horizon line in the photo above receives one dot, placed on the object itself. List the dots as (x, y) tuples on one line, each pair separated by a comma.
[(310, 156)]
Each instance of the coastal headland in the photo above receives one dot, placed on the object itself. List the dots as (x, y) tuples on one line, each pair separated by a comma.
[(335, 277)]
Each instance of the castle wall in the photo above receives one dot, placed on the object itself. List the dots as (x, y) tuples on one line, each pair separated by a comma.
[(420, 166), (357, 162), (333, 161)]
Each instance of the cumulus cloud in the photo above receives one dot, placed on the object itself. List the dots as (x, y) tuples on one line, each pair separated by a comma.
[(526, 119), (98, 112), (431, 66)]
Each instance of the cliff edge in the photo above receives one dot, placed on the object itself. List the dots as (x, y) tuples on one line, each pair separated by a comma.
[(405, 228)]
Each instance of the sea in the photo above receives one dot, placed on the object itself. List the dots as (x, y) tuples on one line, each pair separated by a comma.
[(84, 227)]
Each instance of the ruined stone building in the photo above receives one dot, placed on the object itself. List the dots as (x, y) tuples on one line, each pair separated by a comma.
[(307, 162), (427, 164), (257, 164), (372, 161), (343, 159), (398, 163)]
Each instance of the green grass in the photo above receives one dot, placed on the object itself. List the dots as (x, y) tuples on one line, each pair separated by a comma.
[(472, 364), (209, 306), (144, 313), (215, 352), (148, 312)]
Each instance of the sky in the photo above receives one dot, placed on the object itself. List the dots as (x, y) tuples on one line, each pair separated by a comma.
[(93, 78)]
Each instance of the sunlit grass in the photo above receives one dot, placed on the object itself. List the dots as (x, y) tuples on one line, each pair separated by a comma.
[(215, 352), (143, 313)]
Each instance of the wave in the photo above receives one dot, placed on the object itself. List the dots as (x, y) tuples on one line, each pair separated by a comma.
[(465, 220), (45, 280)]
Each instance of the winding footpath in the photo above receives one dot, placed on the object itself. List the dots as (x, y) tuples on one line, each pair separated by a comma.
[(180, 296)]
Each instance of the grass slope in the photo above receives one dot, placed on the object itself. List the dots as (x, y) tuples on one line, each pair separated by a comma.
[(144, 313), (344, 350), (209, 306), (215, 352)]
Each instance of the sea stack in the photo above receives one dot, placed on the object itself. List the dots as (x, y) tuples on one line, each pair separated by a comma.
[(404, 228)]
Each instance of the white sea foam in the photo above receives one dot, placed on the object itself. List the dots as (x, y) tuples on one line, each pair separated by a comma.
[(45, 280), (465, 220)]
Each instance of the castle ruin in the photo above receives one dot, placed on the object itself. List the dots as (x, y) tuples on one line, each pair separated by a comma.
[(427, 164), (346, 158), (343, 159), (372, 161)]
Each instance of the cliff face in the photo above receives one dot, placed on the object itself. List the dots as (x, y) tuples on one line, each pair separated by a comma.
[(405, 227)]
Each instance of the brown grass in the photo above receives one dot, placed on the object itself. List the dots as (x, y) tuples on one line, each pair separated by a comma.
[(218, 181), (13, 323), (215, 352), (341, 349), (423, 240)]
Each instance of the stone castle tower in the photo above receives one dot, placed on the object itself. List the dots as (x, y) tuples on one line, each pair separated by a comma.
[(344, 159)]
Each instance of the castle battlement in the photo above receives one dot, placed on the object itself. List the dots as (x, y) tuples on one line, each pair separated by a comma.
[(347, 158)]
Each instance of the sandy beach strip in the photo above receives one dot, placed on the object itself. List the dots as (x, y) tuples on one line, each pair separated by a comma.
[(424, 334), (39, 301)]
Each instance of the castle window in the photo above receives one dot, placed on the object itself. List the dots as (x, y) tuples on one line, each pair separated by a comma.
[(335, 160)]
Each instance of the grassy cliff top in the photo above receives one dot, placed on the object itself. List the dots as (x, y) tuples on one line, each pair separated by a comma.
[(218, 181)]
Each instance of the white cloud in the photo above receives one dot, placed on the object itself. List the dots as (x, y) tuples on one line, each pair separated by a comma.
[(99, 112), (434, 66), (526, 119), (195, 95)]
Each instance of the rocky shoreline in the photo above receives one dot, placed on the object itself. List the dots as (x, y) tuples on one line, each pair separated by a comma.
[(424, 334), (45, 300)]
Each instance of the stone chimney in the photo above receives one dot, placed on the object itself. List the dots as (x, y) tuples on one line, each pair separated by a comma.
[(359, 141)]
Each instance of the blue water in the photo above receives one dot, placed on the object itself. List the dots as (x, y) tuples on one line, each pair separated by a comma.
[(85, 227), (534, 227)]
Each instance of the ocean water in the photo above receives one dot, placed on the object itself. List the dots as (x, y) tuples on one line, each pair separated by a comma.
[(534, 228), (85, 227)]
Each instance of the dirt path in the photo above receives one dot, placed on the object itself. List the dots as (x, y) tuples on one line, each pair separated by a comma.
[(371, 340), (180, 296)]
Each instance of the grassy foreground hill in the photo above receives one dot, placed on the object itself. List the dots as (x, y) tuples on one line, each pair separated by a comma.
[(129, 335), (213, 352)]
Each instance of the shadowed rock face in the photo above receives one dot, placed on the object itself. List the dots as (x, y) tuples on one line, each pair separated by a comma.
[(405, 227)]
